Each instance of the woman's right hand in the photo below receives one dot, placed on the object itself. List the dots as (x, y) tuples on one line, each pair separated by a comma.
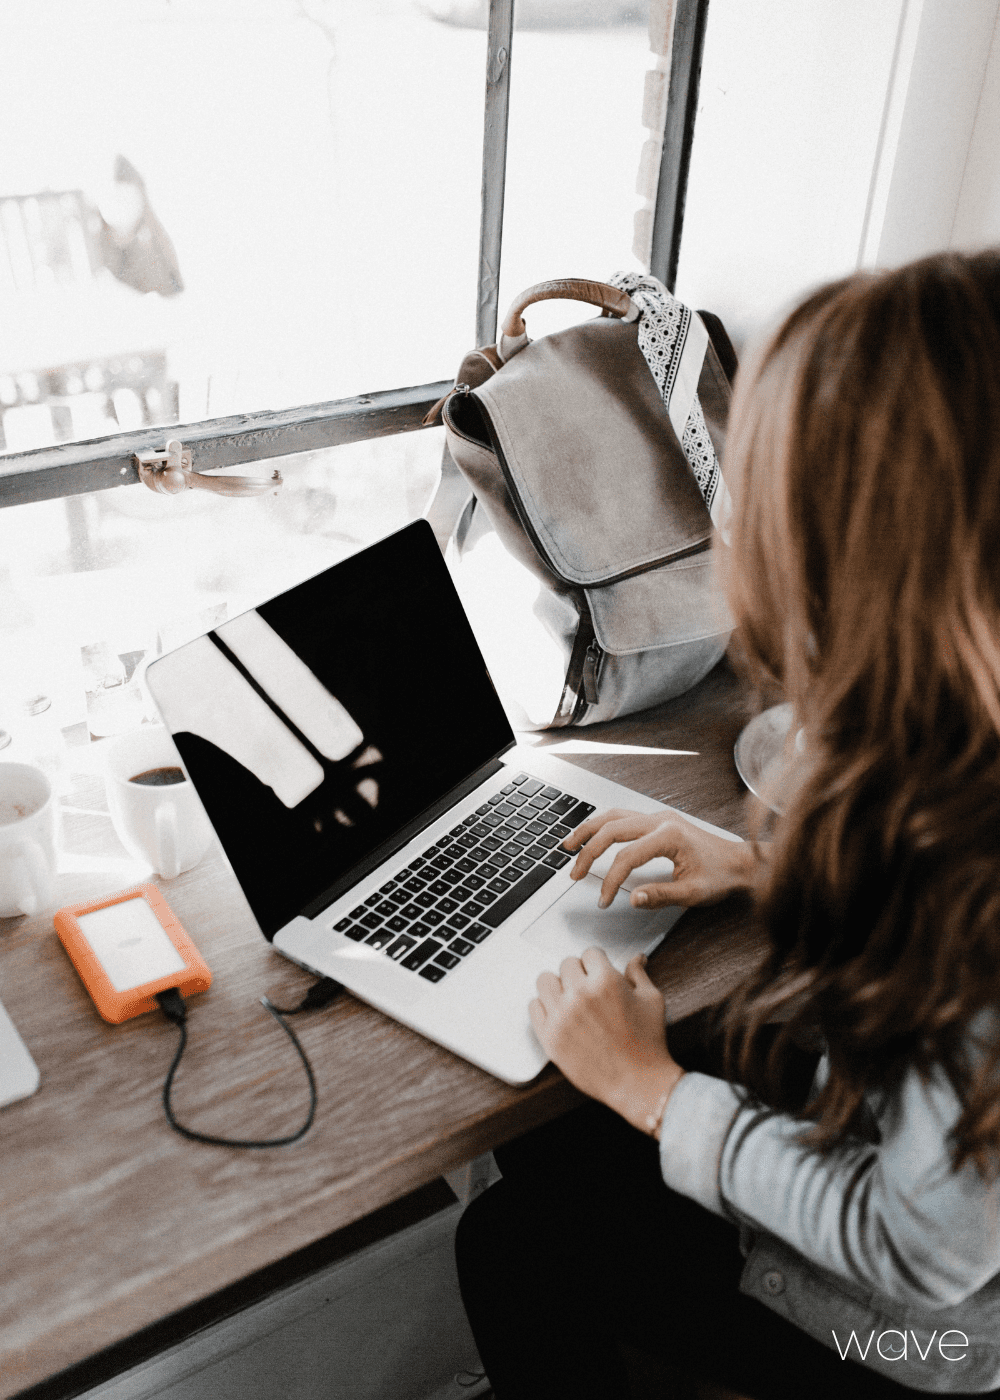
[(706, 867)]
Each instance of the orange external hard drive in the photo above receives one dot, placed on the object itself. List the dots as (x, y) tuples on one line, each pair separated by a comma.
[(127, 947)]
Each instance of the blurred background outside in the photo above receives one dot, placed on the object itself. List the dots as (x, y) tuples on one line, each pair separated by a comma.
[(214, 207)]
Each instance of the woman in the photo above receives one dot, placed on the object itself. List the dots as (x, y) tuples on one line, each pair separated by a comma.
[(848, 1244)]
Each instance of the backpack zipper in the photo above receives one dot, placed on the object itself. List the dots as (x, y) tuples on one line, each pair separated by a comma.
[(593, 663)]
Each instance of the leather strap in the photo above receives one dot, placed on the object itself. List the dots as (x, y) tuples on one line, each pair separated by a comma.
[(612, 300)]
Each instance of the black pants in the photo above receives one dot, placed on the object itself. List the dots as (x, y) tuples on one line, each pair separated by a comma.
[(582, 1251)]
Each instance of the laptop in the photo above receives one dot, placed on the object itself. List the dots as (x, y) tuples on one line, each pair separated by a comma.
[(371, 798)]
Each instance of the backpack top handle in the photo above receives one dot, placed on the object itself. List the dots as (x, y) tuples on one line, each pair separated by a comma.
[(612, 301)]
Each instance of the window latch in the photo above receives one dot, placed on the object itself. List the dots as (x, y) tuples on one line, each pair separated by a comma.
[(170, 472)]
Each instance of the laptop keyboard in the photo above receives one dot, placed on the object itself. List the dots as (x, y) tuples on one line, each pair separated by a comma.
[(442, 905)]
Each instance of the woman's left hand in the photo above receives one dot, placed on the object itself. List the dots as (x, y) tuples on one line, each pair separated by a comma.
[(607, 1033)]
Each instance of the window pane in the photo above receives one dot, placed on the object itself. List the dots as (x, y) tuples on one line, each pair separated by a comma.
[(789, 119), (92, 586), (221, 206), (574, 141)]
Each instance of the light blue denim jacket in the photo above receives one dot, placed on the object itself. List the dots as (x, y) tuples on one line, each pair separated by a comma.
[(883, 1241)]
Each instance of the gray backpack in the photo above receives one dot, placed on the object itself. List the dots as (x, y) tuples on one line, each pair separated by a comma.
[(584, 554)]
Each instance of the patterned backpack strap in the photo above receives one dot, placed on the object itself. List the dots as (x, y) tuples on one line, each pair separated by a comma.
[(674, 340)]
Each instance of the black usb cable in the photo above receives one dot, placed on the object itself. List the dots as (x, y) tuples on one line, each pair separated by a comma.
[(171, 1002)]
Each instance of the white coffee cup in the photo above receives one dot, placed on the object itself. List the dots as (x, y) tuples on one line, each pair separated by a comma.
[(28, 819), (165, 826)]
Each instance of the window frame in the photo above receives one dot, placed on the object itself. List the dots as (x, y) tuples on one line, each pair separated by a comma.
[(77, 468)]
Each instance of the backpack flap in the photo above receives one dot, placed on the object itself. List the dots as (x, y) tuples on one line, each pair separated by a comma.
[(588, 452)]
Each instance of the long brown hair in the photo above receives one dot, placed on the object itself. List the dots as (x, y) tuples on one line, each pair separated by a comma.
[(864, 578)]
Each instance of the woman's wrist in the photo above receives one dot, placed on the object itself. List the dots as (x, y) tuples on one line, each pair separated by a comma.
[(642, 1099), (748, 857)]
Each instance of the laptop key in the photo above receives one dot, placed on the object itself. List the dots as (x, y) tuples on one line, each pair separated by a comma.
[(491, 843), (473, 882), (539, 802), (455, 851), (432, 972), (381, 937), (516, 799), (477, 932), (520, 778), (419, 930), (462, 893), (461, 946), (563, 804), (452, 877), (402, 945), (410, 911), (426, 900), (458, 922), (465, 865), (421, 953), (472, 910), (441, 863), (536, 852), (480, 829), (516, 896), (344, 924), (524, 862), (493, 819), (355, 931), (481, 811), (373, 899), (508, 789), (524, 838), (557, 859), (505, 810), (447, 960), (579, 814), (548, 818), (467, 841), (548, 841), (550, 793), (500, 886), (386, 908), (433, 916), (537, 828), (531, 787), (357, 913), (371, 921), (447, 906), (414, 885), (439, 888), (561, 831), (517, 823), (387, 889), (510, 849), (484, 897)]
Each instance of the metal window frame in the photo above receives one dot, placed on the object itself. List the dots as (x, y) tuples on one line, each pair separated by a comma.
[(75, 468)]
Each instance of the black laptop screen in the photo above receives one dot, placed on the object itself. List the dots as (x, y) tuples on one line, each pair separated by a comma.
[(319, 726)]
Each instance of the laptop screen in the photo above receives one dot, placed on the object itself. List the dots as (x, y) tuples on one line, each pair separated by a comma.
[(319, 726)]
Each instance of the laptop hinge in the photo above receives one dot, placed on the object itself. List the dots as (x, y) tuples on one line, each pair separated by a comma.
[(402, 837)]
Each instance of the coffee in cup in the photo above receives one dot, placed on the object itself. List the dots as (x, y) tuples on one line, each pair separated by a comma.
[(155, 810)]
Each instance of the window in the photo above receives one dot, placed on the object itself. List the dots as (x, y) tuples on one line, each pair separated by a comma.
[(253, 225)]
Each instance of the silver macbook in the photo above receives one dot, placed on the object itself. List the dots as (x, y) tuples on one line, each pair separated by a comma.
[(368, 791)]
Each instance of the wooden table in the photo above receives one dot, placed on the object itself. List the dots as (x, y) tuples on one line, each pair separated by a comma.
[(112, 1222)]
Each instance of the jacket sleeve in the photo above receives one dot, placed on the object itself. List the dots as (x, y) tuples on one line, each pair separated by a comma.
[(892, 1217)]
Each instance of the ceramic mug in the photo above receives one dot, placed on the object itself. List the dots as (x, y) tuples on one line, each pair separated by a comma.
[(159, 819), (28, 818)]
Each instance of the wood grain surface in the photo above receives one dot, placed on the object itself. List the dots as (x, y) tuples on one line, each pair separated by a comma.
[(111, 1221)]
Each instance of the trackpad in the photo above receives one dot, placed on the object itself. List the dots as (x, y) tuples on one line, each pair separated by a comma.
[(574, 923)]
